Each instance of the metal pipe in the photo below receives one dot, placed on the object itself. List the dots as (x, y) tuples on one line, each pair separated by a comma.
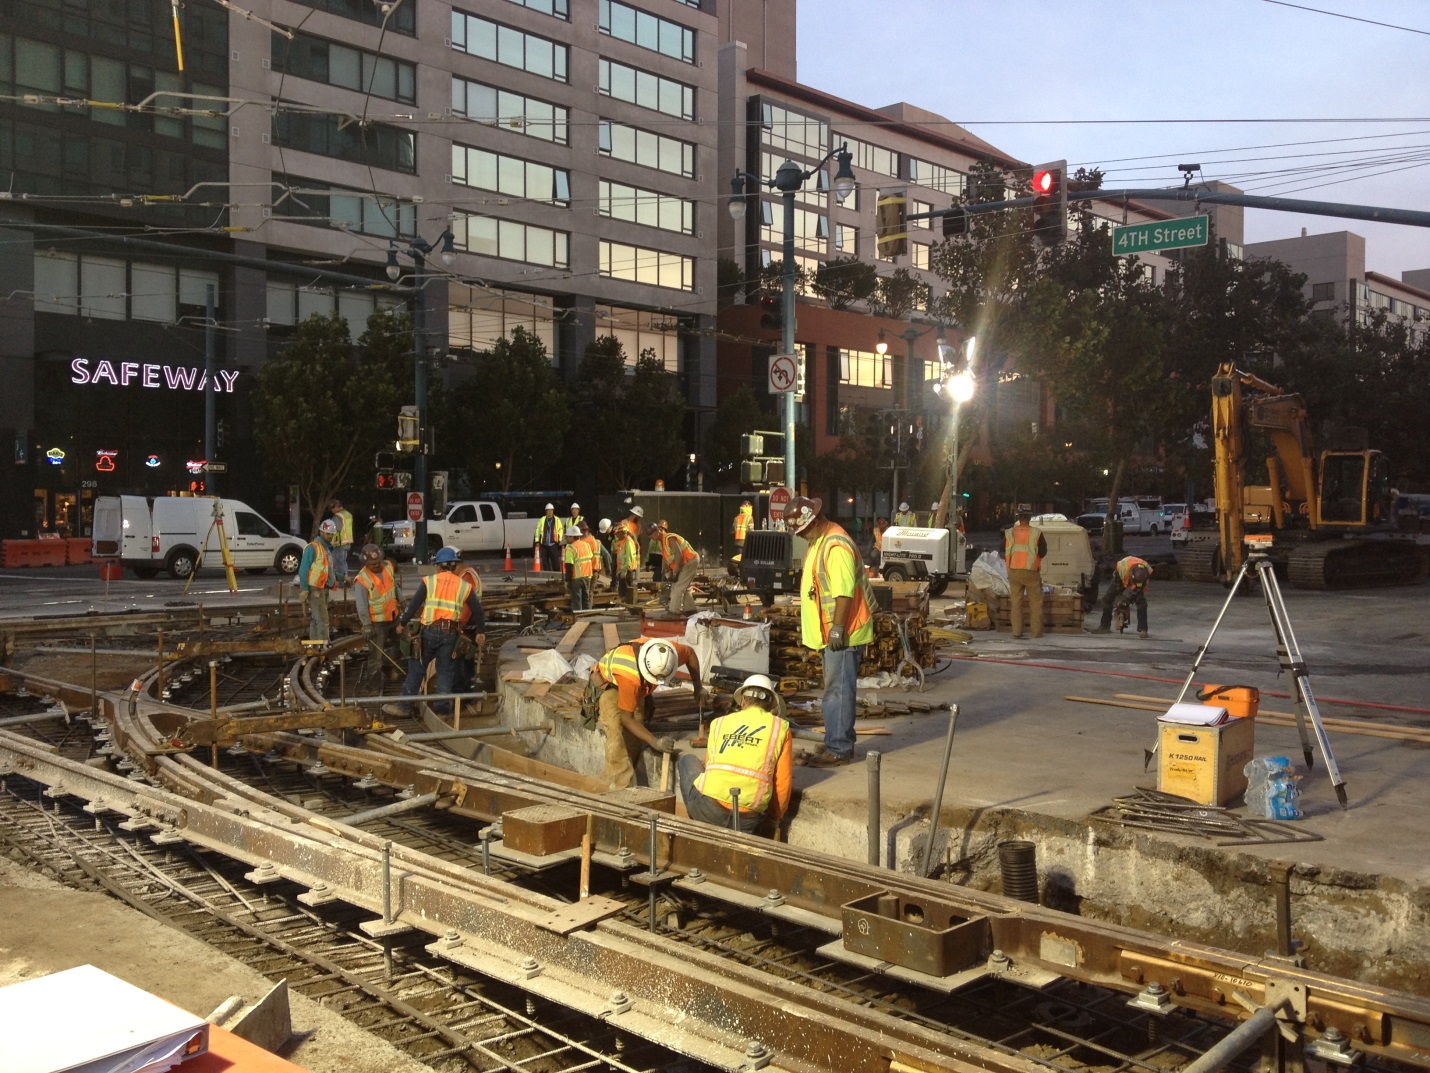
[(477, 732), (33, 717), (938, 790), (871, 766), (734, 808), (389, 698), (1241, 1038), (396, 807)]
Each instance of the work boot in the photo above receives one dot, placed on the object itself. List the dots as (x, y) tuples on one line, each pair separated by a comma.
[(397, 711), (827, 760), (1099, 629), (1142, 634)]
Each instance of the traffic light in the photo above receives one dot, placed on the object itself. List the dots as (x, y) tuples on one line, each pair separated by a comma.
[(1050, 202), (752, 444), (956, 221), (771, 310), (892, 226), (752, 472), (386, 480), (385, 461), (409, 429)]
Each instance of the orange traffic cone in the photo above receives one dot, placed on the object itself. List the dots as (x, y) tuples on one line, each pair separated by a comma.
[(536, 560), (508, 566)]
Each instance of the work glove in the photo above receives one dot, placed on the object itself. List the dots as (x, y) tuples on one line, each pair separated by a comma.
[(303, 600), (663, 745), (838, 638)]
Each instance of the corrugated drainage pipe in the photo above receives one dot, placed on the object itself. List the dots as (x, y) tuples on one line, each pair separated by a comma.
[(1019, 864)]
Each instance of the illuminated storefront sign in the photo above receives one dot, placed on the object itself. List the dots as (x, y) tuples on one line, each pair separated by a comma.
[(104, 461), (152, 461), (131, 373), (55, 456), (194, 467)]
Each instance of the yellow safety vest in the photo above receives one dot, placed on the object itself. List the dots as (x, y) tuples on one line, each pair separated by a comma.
[(574, 522), (743, 749), (381, 589), (627, 552), (858, 625), (676, 550), (345, 527), (558, 530), (322, 567), (1020, 548), (620, 662), (906, 517), (447, 592)]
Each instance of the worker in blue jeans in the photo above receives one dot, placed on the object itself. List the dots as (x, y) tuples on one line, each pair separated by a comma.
[(440, 600)]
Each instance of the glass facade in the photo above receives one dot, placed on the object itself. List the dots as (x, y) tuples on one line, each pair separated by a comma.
[(374, 144), (636, 264), (319, 60), (865, 368), (510, 47), (478, 316), (646, 90), (639, 330), (936, 177), (495, 107), (669, 213), (792, 132), (322, 204), (511, 240), (627, 23), (872, 157), (646, 148), (482, 169)]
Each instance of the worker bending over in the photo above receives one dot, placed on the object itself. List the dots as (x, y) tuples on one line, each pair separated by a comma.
[(1128, 586), (618, 694)]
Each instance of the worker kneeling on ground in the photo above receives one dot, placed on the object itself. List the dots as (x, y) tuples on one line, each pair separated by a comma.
[(617, 695), (1128, 586), (750, 752)]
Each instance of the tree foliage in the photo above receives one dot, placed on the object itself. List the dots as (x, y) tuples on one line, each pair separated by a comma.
[(844, 281), (739, 414)]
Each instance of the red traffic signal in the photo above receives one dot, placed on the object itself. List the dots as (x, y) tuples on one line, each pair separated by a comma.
[(771, 311), (386, 480), (1050, 202)]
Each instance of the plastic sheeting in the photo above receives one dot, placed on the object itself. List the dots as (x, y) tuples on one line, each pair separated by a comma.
[(719, 643), (989, 572)]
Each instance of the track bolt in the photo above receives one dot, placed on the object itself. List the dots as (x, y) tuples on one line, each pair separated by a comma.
[(999, 961), (530, 967), (620, 1002), (695, 875), (757, 1056), (774, 898), (451, 939)]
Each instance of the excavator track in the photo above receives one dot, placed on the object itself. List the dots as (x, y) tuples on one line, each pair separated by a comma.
[(1356, 564), (1198, 562)]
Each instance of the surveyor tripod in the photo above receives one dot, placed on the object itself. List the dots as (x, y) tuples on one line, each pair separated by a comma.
[(1288, 653)]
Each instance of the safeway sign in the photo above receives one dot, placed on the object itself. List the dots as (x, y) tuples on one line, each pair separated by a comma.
[(414, 506)]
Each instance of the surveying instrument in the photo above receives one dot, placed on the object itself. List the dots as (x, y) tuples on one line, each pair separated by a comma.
[(1288, 654)]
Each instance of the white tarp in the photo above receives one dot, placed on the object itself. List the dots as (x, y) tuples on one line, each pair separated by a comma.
[(719, 643)]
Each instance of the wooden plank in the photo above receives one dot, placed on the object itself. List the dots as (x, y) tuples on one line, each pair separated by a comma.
[(610, 635), (537, 689), (568, 642)]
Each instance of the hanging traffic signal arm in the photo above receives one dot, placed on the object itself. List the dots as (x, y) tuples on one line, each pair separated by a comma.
[(891, 215)]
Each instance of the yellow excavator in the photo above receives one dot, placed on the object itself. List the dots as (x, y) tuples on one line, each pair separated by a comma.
[(1330, 514)]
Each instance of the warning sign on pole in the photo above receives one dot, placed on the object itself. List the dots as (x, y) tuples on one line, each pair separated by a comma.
[(414, 506), (779, 499)]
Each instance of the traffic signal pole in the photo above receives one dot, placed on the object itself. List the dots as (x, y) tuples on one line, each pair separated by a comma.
[(419, 388), (787, 322)]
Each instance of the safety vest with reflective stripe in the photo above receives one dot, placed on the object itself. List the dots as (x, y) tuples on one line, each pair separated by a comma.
[(574, 522), (677, 551), (468, 573), (743, 521), (858, 624), (381, 589), (627, 551), (587, 556), (1020, 548), (1124, 571), (743, 749), (558, 530), (345, 527), (322, 567), (879, 538), (620, 663), (578, 557), (906, 517), (446, 593)]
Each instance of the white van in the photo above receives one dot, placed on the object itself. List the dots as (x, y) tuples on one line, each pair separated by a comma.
[(168, 532)]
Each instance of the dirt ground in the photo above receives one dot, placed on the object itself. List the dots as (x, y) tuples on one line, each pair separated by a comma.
[(46, 927)]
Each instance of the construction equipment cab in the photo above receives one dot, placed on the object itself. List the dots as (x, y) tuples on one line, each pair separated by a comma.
[(168, 533)]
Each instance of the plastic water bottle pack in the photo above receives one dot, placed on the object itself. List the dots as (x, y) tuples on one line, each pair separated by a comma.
[(1271, 789)]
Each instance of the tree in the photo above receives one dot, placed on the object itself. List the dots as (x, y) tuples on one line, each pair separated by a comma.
[(323, 405), (512, 410), (740, 414), (844, 281), (654, 444), (597, 398), (897, 295)]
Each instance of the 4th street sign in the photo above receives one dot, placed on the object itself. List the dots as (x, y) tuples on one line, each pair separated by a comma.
[(1160, 235)]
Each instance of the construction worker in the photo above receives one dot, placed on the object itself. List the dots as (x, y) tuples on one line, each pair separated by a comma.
[(378, 602), (681, 563), (440, 600), (317, 578), (632, 522), (878, 559), (744, 522), (606, 564), (574, 522), (464, 674), (1024, 549), (594, 561), (836, 619), (549, 540), (750, 751), (654, 555), (343, 546), (577, 564), (626, 551), (1128, 586), (617, 695), (903, 516)]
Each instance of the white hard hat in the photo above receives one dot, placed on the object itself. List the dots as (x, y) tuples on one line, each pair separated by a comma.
[(604, 525), (575, 506), (903, 506), (331, 527), (933, 505), (638, 511), (657, 661), (549, 506), (760, 689)]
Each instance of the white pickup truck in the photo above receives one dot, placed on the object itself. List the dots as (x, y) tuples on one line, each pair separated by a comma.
[(471, 525)]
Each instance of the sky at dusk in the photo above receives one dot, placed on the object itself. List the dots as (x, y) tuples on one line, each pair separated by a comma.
[(1278, 99)]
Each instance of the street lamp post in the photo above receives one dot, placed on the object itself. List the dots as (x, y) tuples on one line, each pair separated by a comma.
[(958, 383), (418, 249), (788, 180)]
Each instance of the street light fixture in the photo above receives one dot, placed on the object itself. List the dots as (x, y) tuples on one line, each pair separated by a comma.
[(788, 180), (959, 387), (417, 250)]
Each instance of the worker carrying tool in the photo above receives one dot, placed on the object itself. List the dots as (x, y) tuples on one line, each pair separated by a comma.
[(617, 699), (1024, 549), (378, 601), (682, 563), (1128, 586), (749, 752), (440, 600)]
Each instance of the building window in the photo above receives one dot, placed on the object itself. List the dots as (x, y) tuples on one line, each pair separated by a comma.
[(314, 58), (811, 229), (485, 170), (1323, 292), (638, 331), (814, 192), (480, 316), (873, 158), (511, 111), (669, 213), (920, 255), (647, 90), (846, 240), (556, 8), (399, 18), (792, 132), (636, 264), (511, 240), (648, 31), (864, 368), (916, 207), (289, 305), (489, 40), (110, 288), (649, 150), (936, 177), (375, 144), (363, 211)]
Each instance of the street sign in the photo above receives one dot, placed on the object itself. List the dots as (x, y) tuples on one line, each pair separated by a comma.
[(1161, 235), (414, 506), (779, 499), (784, 373), (215, 467)]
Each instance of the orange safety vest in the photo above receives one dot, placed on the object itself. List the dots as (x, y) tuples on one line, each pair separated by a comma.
[(381, 589), (743, 749), (1020, 548), (619, 665), (578, 557), (468, 573), (879, 537), (322, 568), (676, 550), (592, 562), (743, 521), (1124, 570), (861, 608), (447, 592)]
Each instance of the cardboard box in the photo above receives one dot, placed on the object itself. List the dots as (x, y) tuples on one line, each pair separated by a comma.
[(1203, 763)]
